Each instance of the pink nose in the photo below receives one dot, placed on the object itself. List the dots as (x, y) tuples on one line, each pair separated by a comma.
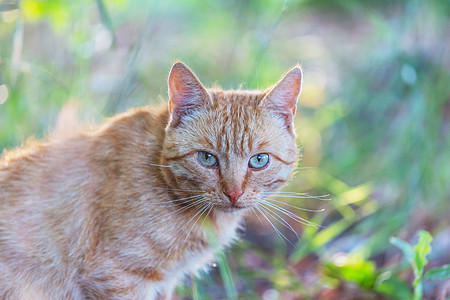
[(233, 195)]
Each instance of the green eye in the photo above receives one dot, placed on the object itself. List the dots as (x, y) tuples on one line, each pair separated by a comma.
[(207, 159), (259, 161)]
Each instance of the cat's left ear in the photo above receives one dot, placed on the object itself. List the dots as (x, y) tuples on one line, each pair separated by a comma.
[(282, 98), (186, 93)]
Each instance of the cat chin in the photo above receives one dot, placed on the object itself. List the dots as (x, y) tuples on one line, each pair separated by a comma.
[(232, 209)]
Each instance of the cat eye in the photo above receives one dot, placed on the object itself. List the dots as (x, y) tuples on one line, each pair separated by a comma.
[(207, 159), (259, 161)]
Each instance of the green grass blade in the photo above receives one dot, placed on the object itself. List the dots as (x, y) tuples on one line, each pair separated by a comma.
[(441, 272), (224, 268), (195, 289), (106, 19), (416, 257), (421, 250), (405, 247), (227, 277)]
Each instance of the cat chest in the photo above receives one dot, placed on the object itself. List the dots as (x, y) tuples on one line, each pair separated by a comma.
[(193, 263)]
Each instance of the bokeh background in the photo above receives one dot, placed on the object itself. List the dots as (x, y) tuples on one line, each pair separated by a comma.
[(373, 122)]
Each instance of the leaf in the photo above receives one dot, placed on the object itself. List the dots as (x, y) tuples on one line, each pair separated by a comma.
[(416, 257), (441, 272), (405, 247), (353, 267), (388, 284), (418, 291), (421, 250)]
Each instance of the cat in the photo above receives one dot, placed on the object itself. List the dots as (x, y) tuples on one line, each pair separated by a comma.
[(120, 210)]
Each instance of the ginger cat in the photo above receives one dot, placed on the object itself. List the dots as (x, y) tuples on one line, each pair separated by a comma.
[(119, 211)]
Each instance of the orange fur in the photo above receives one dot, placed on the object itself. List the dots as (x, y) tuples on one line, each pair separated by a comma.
[(119, 211)]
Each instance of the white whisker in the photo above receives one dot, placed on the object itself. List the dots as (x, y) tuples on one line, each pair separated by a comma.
[(187, 223), (186, 207), (183, 199), (297, 196), (199, 217), (289, 214), (212, 206), (178, 190), (281, 235), (253, 209), (163, 166), (151, 164), (280, 219), (293, 206), (177, 202)]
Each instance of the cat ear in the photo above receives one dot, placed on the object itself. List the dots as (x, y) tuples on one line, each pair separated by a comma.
[(282, 98), (186, 93)]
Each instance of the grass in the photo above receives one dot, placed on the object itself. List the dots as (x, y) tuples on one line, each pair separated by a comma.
[(373, 121)]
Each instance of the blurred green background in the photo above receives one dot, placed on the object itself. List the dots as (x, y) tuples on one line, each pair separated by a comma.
[(373, 122)]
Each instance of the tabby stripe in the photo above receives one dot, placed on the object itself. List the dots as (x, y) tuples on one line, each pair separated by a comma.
[(179, 156), (282, 160), (275, 181)]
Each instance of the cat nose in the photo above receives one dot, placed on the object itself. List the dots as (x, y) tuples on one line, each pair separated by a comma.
[(233, 195)]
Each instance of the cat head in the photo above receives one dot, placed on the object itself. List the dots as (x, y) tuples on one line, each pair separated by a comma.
[(228, 149)]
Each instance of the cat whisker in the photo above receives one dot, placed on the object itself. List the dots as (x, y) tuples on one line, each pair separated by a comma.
[(303, 168), (294, 193), (163, 218), (156, 165), (298, 196), (208, 206), (296, 207), (200, 211), (151, 164), (280, 234), (178, 190), (186, 198), (176, 202), (212, 206), (280, 219), (179, 200), (289, 193), (253, 209), (289, 214), (198, 201)]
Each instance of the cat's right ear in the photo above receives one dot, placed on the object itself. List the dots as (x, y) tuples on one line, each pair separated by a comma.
[(282, 98), (186, 93)]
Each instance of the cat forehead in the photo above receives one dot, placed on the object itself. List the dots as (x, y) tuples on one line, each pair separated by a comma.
[(235, 97), (233, 123), (237, 128)]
